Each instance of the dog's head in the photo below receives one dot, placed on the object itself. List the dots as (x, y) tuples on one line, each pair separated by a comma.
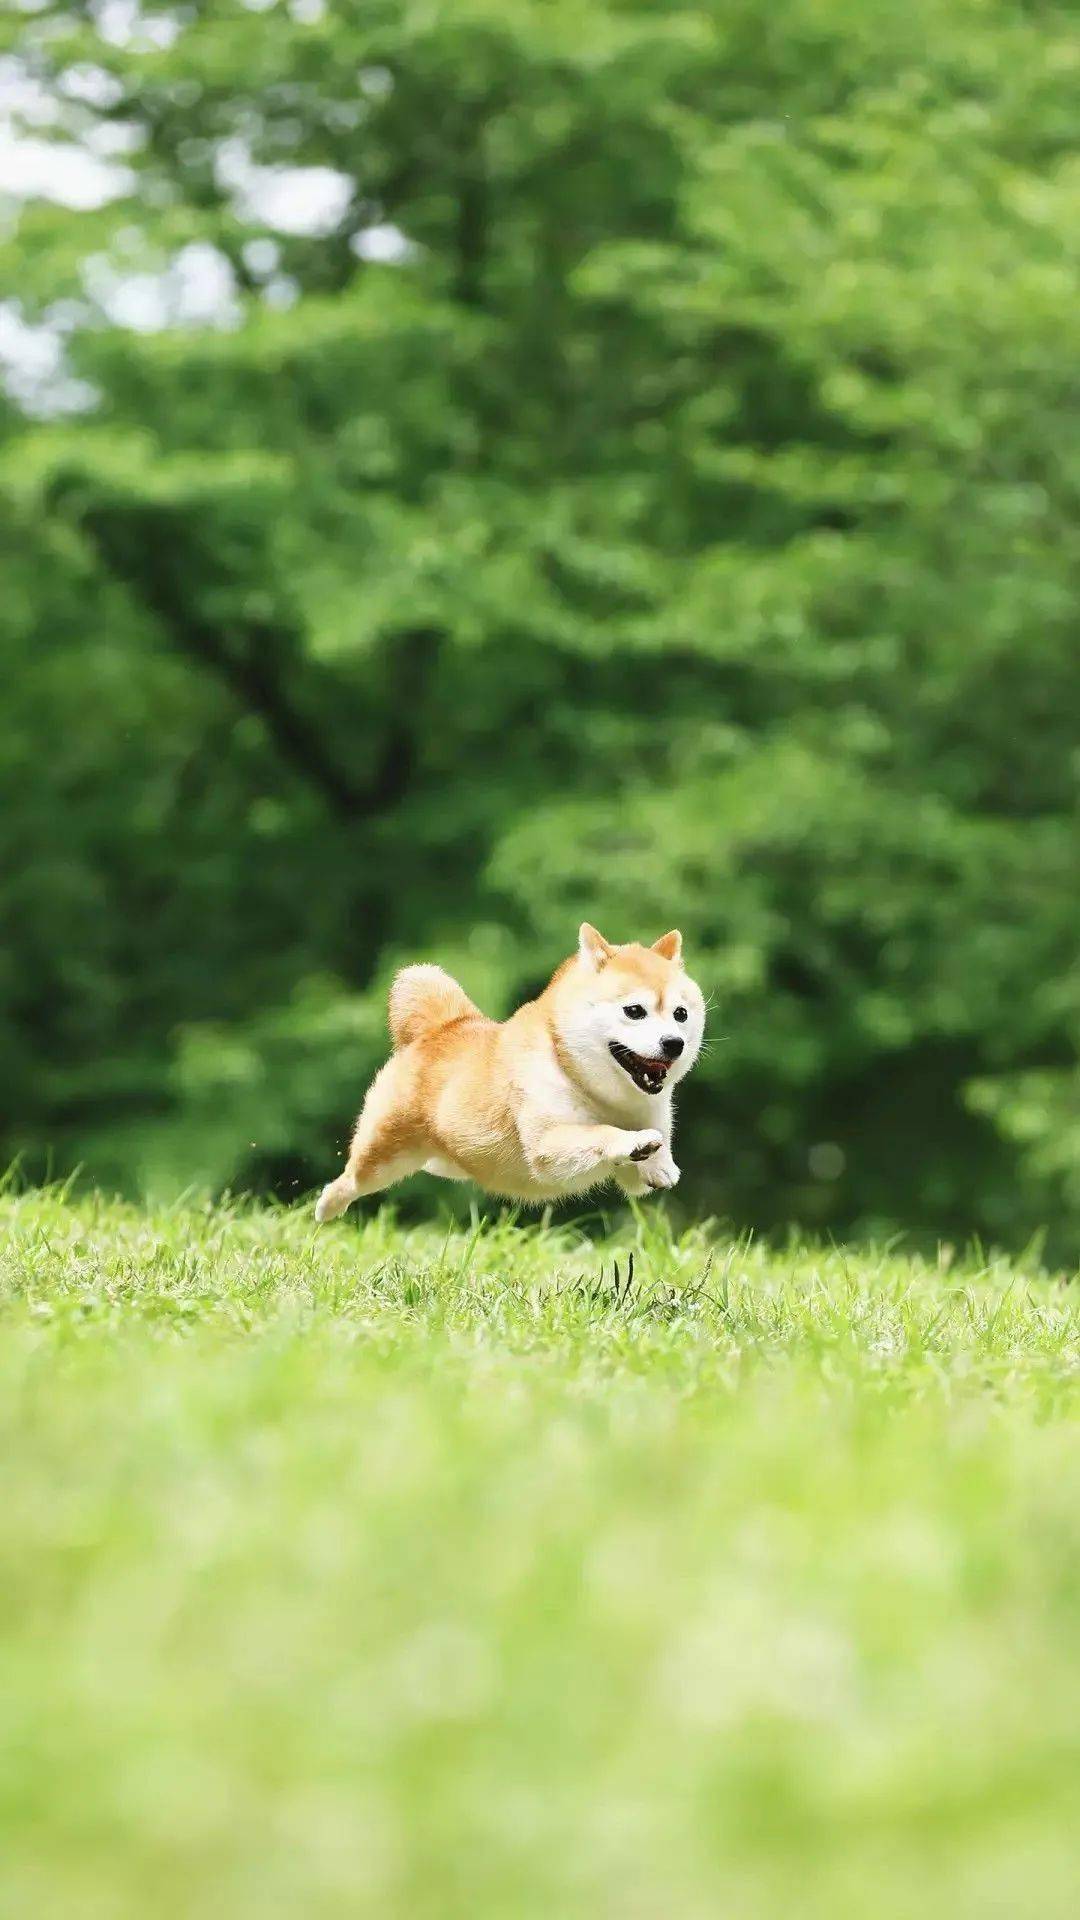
[(629, 1014)]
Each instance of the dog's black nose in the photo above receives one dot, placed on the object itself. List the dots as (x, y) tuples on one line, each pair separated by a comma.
[(672, 1046)]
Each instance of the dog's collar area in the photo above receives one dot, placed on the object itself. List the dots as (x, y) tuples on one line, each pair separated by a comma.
[(648, 1075)]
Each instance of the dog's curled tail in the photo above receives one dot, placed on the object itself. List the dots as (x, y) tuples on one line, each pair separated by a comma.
[(423, 998)]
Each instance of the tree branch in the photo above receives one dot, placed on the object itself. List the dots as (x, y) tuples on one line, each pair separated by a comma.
[(257, 659)]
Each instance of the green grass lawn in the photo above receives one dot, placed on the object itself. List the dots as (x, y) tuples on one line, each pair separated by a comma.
[(409, 1573)]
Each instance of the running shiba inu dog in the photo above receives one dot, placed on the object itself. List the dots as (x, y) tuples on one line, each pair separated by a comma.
[(573, 1090)]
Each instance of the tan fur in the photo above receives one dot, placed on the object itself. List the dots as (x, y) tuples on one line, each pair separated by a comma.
[(423, 998), (534, 1108)]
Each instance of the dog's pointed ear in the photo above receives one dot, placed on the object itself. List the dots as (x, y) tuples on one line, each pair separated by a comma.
[(669, 945), (593, 948)]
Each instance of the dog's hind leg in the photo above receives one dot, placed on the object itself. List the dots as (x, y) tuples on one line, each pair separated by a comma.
[(385, 1147), (368, 1172)]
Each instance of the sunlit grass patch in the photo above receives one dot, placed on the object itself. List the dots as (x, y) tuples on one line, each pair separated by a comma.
[(423, 1572)]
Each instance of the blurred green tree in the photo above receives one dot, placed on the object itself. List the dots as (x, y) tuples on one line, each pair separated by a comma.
[(628, 466)]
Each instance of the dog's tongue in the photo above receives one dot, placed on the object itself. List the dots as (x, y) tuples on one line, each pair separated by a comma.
[(658, 1066)]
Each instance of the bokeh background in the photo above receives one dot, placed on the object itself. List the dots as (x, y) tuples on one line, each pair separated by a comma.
[(470, 464)]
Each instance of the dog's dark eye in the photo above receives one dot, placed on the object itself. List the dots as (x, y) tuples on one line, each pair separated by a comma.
[(635, 1011), (681, 1015)]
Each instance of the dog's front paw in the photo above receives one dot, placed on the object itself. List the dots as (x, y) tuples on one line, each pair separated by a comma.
[(646, 1143), (661, 1173)]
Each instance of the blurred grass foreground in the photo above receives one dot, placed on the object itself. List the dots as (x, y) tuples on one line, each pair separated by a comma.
[(418, 1575), (470, 467)]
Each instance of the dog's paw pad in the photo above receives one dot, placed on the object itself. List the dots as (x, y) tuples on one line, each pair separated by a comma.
[(649, 1144)]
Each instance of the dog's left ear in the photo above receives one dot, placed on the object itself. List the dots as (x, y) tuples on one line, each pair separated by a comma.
[(592, 946), (669, 945)]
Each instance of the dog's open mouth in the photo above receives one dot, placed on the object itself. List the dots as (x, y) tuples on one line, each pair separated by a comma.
[(649, 1075)]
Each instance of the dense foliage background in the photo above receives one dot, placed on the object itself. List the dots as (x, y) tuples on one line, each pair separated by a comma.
[(644, 483)]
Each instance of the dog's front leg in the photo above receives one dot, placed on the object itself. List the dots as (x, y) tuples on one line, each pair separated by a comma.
[(561, 1150), (656, 1175), (657, 1172), (653, 1176)]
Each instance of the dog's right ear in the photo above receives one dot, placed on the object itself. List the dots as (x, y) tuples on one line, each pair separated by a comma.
[(593, 948), (669, 945)]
